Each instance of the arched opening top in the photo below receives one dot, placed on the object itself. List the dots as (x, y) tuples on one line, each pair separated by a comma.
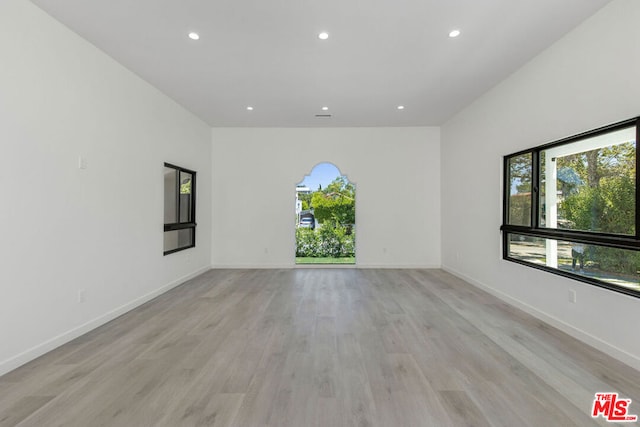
[(323, 172)]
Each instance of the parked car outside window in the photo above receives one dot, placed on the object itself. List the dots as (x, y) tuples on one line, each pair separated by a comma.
[(307, 222)]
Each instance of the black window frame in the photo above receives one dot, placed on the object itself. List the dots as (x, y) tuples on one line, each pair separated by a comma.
[(629, 242), (183, 225)]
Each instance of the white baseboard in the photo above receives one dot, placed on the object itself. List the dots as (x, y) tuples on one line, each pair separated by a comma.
[(40, 349), (398, 266), (252, 266), (290, 266), (579, 334)]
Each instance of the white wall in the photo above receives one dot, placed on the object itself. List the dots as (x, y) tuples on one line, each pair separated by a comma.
[(97, 229), (397, 177), (586, 80)]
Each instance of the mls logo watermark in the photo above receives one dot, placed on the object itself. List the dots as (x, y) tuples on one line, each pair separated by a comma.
[(612, 408)]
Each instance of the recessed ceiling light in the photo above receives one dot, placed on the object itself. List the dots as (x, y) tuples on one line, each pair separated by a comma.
[(194, 36), (249, 108), (400, 107), (325, 108), (323, 36), (454, 33)]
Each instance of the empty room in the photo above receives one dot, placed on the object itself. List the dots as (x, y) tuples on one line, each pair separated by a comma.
[(340, 213)]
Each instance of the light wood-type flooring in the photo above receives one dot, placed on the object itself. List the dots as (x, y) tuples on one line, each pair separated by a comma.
[(318, 347)]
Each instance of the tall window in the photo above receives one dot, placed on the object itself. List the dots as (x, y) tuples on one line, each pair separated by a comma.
[(325, 217), (179, 208), (571, 207)]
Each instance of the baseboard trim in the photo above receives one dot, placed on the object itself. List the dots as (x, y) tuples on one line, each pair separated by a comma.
[(55, 342), (398, 266), (291, 266), (252, 266), (579, 334)]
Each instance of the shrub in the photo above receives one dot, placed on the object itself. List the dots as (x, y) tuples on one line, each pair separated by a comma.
[(327, 241), (306, 243), (614, 260)]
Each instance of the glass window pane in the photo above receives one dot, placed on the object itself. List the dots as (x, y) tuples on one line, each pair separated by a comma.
[(527, 248), (176, 239), (542, 210), (519, 211), (620, 267), (590, 184), (185, 196), (170, 196)]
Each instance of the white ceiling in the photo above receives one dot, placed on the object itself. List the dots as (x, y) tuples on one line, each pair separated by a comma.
[(267, 54)]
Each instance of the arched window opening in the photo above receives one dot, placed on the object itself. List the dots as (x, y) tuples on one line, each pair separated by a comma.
[(325, 217)]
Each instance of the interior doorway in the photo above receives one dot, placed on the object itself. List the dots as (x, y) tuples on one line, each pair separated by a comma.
[(325, 224)]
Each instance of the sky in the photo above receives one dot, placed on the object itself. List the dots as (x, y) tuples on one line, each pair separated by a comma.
[(323, 173)]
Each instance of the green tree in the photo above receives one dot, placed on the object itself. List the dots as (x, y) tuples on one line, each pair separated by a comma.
[(520, 191), (609, 207), (305, 198), (606, 199), (604, 202), (335, 203)]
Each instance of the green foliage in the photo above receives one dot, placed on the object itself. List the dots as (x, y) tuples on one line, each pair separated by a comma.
[(327, 241), (305, 198), (609, 207), (604, 201), (334, 209), (520, 191), (306, 242), (520, 209), (305, 205), (520, 172), (336, 203), (185, 187), (591, 166), (614, 260), (325, 260)]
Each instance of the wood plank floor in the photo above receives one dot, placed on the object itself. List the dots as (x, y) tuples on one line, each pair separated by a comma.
[(311, 347)]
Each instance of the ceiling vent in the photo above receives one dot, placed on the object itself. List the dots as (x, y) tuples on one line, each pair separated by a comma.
[(323, 115)]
